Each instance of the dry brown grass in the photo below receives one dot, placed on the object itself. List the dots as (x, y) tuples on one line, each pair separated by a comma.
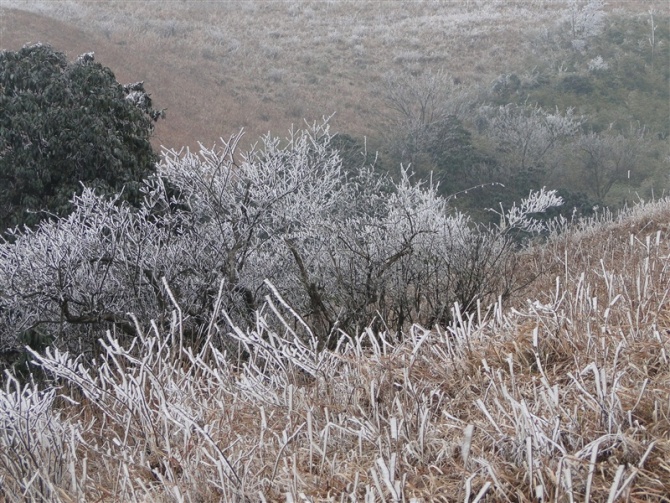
[(564, 397), (221, 66)]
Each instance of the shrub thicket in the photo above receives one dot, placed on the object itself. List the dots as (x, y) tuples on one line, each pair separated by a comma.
[(346, 249)]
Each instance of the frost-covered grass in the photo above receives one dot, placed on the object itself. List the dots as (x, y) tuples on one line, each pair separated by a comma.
[(561, 397)]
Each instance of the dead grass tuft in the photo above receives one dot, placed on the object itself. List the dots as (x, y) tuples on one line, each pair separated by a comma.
[(565, 397)]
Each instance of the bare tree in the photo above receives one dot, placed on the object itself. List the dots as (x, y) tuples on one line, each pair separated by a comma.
[(609, 158), (215, 227), (417, 108), (527, 136)]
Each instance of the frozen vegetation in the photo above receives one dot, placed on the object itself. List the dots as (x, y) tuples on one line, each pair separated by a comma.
[(302, 318), (561, 397)]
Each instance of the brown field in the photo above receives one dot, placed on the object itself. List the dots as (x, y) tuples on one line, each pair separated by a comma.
[(218, 67)]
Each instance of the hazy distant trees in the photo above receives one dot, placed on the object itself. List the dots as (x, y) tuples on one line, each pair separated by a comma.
[(459, 145), (65, 123), (417, 107), (425, 129), (342, 248), (446, 138), (420, 111), (528, 142), (608, 158), (567, 119)]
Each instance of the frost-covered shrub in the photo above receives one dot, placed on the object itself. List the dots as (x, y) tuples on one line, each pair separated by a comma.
[(341, 248), (528, 136), (585, 18), (597, 64)]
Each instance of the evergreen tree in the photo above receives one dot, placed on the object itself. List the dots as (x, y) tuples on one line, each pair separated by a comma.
[(63, 124)]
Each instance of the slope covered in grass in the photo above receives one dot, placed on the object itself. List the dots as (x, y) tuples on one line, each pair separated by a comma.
[(220, 66), (560, 395)]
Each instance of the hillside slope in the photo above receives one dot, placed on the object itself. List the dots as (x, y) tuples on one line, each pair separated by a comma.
[(186, 95), (564, 396), (218, 67)]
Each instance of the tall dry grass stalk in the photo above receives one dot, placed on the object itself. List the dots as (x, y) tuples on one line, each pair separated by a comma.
[(564, 397)]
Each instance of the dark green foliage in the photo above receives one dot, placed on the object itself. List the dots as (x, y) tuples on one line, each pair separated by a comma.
[(454, 156), (574, 83), (63, 124)]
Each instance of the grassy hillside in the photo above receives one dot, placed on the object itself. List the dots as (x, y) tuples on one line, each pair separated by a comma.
[(561, 392), (618, 81), (221, 66), (262, 66), (561, 397)]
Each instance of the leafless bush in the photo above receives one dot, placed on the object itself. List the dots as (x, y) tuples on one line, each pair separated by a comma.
[(527, 136), (609, 158), (417, 110), (341, 248)]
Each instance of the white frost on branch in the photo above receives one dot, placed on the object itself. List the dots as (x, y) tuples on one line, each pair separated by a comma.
[(528, 136), (342, 249), (521, 216)]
